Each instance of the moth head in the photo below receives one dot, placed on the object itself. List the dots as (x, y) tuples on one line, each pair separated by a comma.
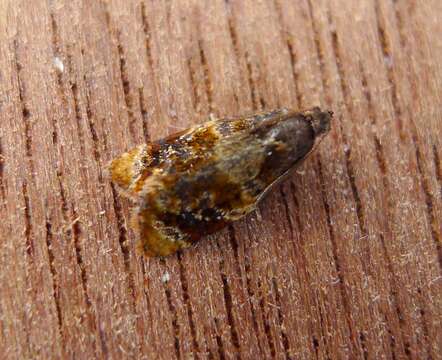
[(291, 136), (301, 130), (320, 121)]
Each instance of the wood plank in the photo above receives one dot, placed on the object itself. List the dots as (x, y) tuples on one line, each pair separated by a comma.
[(343, 260)]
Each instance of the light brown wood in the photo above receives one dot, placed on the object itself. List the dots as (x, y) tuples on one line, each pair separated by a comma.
[(343, 260)]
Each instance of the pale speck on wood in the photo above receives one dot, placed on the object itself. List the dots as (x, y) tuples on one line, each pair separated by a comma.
[(166, 277), (58, 64)]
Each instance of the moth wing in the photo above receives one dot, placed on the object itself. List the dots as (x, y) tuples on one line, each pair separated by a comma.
[(129, 170), (155, 238)]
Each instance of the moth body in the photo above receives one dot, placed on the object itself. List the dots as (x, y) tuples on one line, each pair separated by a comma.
[(195, 182)]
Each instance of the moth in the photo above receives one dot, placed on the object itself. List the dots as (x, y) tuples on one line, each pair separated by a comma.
[(195, 182)]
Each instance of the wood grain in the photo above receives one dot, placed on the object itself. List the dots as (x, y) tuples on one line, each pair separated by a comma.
[(344, 260)]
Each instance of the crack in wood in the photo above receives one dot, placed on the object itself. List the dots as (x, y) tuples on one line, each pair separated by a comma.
[(319, 54), (235, 45), (62, 193), (429, 201), (147, 37), (90, 314), (293, 63), (103, 342), (94, 135), (2, 173), (233, 37), (235, 246), (395, 300), (285, 340), (392, 341), (54, 276), (95, 140), (144, 115), (196, 101), (324, 334), (147, 298), (175, 324), (265, 320), (124, 76), (151, 69), (229, 308), (251, 299), (76, 234), (287, 211), (258, 103), (285, 37), (78, 117), (187, 302), (400, 23), (388, 57), (219, 341), (363, 344), (297, 208), (438, 168), (26, 114), (123, 241), (29, 234), (207, 81)]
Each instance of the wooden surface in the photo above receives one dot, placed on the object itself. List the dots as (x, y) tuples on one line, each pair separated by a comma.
[(344, 260)]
